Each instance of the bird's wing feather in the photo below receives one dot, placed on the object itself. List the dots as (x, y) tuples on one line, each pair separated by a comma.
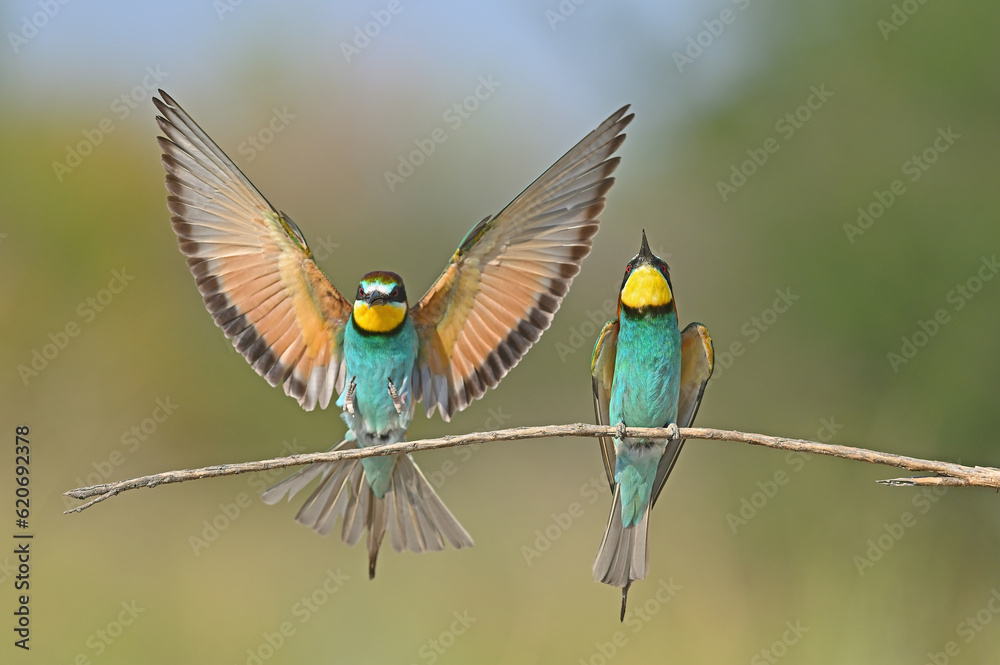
[(602, 372), (252, 265), (697, 362), (509, 275)]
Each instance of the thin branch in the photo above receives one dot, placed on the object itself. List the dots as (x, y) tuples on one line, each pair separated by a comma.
[(948, 473), (919, 481)]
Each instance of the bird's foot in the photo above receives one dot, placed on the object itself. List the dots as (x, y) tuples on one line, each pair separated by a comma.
[(673, 431), (397, 401), (620, 430), (349, 400)]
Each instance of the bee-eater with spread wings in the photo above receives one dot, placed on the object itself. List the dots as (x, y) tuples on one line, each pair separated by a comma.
[(494, 299), (646, 373)]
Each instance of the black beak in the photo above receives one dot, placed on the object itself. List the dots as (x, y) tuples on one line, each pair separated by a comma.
[(377, 298), (644, 252)]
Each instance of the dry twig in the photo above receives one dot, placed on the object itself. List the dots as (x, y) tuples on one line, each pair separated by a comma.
[(947, 473)]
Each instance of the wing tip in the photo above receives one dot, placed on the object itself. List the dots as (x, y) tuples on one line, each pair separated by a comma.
[(701, 331)]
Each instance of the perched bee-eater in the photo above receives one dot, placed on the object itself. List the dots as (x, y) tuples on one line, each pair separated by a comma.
[(495, 297), (646, 373)]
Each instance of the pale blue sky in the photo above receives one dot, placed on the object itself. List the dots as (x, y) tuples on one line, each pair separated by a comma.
[(602, 54)]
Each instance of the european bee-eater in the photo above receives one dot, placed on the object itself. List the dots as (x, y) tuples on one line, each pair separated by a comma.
[(646, 373), (494, 299)]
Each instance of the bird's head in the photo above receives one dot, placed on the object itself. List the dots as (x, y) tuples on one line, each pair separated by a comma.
[(647, 281), (380, 304)]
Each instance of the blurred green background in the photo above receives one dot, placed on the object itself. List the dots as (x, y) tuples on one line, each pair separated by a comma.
[(828, 553)]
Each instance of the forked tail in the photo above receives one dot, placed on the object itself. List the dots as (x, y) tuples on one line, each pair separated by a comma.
[(412, 511)]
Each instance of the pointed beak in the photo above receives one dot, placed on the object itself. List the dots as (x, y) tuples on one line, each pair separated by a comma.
[(644, 249), (376, 298)]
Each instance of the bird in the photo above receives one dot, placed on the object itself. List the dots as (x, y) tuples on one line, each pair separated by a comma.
[(645, 373), (497, 294)]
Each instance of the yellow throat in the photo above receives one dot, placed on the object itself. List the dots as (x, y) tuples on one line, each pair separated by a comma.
[(646, 287), (380, 318)]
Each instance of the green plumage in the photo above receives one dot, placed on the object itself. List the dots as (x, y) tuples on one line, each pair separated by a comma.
[(646, 373), (643, 394), (373, 360)]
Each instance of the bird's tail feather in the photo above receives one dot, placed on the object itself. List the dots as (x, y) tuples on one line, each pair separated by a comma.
[(412, 511), (623, 555)]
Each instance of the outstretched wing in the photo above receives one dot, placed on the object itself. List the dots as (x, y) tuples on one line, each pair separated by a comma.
[(697, 362), (252, 265), (510, 274), (602, 371)]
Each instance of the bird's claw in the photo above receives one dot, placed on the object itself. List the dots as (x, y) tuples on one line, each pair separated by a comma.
[(349, 399), (397, 401), (620, 430), (673, 432)]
